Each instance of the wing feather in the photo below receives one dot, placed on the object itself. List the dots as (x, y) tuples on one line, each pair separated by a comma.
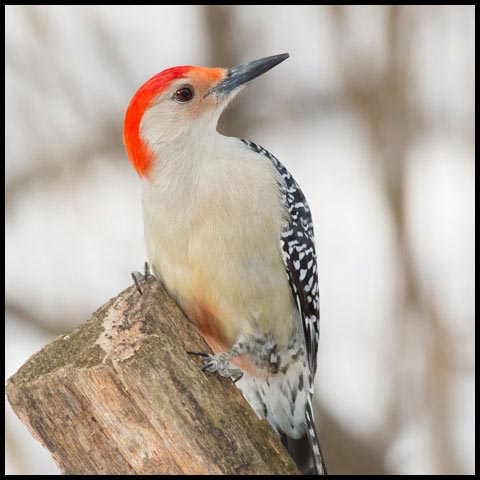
[(299, 256)]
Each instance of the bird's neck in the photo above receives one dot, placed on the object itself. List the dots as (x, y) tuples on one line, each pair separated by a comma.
[(182, 171)]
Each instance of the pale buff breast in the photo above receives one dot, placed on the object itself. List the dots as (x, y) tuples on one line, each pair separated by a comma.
[(214, 239)]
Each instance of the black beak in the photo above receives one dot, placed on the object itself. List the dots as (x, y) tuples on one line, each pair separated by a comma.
[(237, 76)]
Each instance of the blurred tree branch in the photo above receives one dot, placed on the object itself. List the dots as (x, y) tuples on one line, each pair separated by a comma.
[(49, 163), (383, 100), (345, 453), (48, 168), (222, 30), (26, 315)]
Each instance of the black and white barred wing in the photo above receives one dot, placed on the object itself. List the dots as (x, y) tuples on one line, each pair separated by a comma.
[(298, 246)]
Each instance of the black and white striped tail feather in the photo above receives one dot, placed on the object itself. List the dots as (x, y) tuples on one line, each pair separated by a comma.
[(306, 451), (313, 441)]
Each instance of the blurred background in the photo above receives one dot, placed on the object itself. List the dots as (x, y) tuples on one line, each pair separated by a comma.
[(374, 116)]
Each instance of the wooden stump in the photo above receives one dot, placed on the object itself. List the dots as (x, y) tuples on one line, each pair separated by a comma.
[(120, 395)]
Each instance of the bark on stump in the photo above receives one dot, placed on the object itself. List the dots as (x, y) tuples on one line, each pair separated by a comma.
[(120, 395)]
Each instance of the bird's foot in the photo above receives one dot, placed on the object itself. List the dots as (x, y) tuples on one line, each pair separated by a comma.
[(219, 363), (141, 277)]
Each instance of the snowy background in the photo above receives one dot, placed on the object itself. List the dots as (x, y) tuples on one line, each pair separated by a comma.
[(374, 116)]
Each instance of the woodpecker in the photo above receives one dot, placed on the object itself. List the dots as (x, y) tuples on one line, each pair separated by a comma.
[(230, 235)]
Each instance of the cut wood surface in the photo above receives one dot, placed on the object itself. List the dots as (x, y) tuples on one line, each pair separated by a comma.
[(120, 395)]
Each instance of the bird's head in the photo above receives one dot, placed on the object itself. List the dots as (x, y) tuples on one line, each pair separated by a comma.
[(180, 105)]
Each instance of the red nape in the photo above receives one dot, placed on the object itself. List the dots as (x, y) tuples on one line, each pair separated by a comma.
[(138, 153)]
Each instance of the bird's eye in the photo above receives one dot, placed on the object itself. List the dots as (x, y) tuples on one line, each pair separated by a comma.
[(184, 94)]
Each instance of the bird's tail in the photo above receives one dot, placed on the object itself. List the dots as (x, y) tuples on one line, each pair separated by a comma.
[(306, 450)]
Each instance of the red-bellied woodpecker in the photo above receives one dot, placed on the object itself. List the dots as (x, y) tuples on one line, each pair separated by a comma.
[(230, 235)]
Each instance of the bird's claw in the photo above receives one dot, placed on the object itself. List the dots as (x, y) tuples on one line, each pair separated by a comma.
[(140, 277), (200, 354), (219, 363)]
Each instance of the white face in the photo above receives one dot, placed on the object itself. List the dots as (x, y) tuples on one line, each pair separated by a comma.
[(182, 113)]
